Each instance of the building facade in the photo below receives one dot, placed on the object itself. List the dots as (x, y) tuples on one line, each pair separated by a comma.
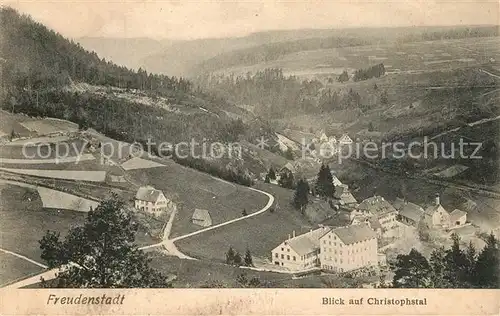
[(348, 248), (153, 201), (299, 252)]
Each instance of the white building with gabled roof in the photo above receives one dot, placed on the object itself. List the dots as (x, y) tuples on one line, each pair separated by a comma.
[(299, 252), (345, 140), (349, 248), (153, 201)]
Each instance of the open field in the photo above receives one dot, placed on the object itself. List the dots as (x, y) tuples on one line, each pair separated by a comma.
[(192, 189), (23, 222), (409, 58), (10, 123), (196, 274), (91, 176), (260, 234), (13, 268), (71, 148), (50, 126)]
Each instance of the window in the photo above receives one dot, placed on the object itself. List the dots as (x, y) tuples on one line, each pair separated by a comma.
[(324, 242), (294, 258), (341, 261), (340, 251), (335, 251), (287, 257), (282, 249), (282, 256), (330, 243), (335, 244), (288, 250), (276, 255)]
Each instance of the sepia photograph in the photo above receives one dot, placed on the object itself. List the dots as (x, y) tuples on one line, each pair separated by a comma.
[(249, 145)]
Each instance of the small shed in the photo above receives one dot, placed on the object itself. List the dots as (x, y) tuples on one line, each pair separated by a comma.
[(202, 218), (458, 218)]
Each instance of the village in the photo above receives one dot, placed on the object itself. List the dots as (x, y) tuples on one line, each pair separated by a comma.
[(369, 228)]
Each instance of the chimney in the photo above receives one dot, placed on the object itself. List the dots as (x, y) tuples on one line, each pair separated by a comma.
[(293, 234), (289, 236), (437, 199)]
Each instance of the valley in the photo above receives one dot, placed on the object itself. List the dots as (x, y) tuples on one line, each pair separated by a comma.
[(77, 130)]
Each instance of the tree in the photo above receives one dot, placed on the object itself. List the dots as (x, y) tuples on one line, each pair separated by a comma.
[(289, 154), (456, 264), (271, 174), (248, 258), (488, 261), (324, 182), (370, 127), (230, 256), (412, 271), (286, 179), (237, 261), (384, 98), (344, 76), (438, 267), (101, 253), (300, 197)]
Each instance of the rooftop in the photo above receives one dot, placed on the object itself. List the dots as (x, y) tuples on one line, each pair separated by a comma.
[(308, 242), (354, 233), (148, 193), (376, 205), (412, 211)]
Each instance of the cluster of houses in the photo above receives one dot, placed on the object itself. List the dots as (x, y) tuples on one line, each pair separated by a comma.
[(356, 246)]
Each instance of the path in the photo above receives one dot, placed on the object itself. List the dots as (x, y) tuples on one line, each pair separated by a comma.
[(169, 243), (24, 258), (489, 73)]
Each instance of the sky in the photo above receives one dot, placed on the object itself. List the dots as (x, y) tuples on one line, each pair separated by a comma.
[(186, 19)]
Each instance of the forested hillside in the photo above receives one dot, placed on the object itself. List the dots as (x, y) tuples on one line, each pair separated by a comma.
[(47, 75)]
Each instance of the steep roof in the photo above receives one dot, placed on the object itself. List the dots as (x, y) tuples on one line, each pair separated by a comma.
[(202, 215), (412, 211), (398, 203), (354, 233), (345, 139), (431, 209), (456, 214), (148, 193), (377, 205), (308, 242), (372, 220)]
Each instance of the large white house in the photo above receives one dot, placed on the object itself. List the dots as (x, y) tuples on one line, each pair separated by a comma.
[(348, 248), (153, 201), (299, 252)]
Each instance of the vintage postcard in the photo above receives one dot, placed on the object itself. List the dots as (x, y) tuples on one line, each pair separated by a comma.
[(255, 157)]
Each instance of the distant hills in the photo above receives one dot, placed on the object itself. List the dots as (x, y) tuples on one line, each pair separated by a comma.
[(192, 57)]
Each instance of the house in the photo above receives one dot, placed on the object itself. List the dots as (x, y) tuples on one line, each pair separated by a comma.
[(410, 214), (201, 218), (343, 195), (436, 215), (371, 221), (345, 140), (153, 201), (332, 140), (299, 252), (385, 213), (458, 218), (323, 138), (348, 248)]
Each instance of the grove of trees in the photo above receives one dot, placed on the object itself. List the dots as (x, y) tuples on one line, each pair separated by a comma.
[(101, 253), (450, 268)]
